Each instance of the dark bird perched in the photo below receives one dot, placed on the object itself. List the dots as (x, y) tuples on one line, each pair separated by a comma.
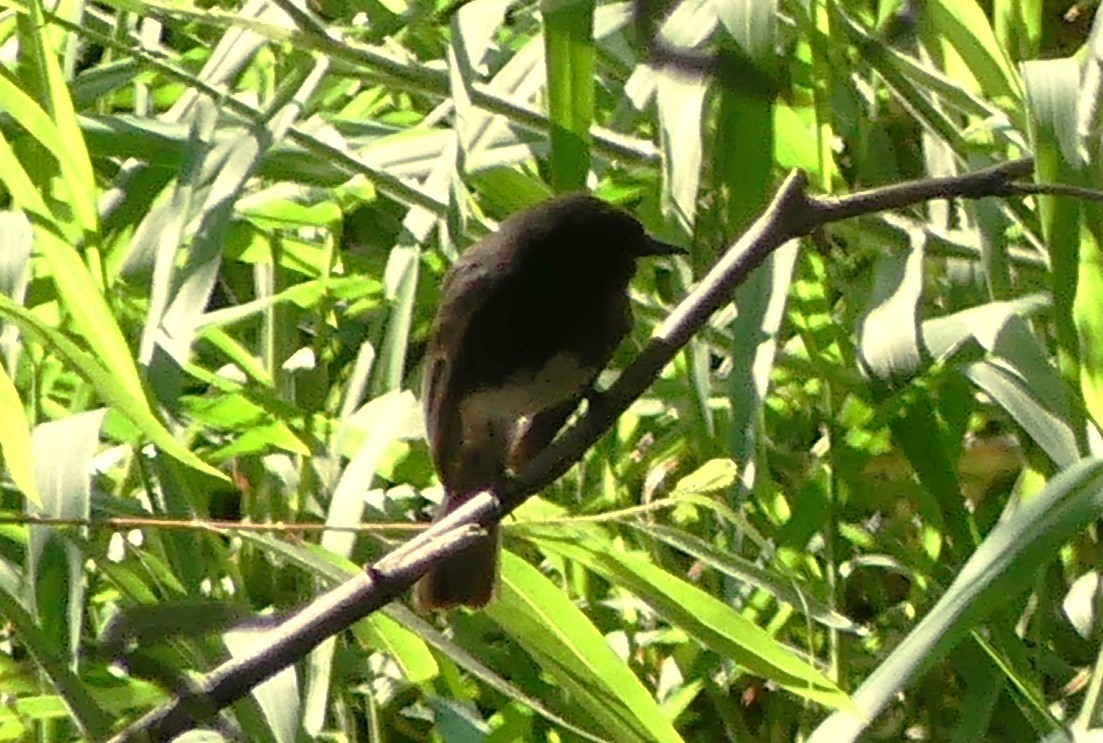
[(528, 318)]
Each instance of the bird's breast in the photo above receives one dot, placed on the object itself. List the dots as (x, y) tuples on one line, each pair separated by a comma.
[(528, 392)]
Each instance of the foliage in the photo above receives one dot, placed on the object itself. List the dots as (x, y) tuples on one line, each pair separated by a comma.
[(222, 237)]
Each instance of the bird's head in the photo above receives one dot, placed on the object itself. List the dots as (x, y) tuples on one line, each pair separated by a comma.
[(581, 230)]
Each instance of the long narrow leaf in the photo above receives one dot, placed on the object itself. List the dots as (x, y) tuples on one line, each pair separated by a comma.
[(1004, 564), (567, 645), (107, 385)]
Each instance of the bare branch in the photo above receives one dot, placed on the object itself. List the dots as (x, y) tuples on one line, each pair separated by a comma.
[(792, 214)]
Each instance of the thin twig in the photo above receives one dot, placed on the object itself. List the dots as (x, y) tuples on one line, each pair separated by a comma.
[(120, 523), (1058, 189)]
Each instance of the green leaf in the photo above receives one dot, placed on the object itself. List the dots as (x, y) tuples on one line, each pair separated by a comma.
[(923, 440), (569, 56), (701, 616), (888, 336), (567, 645), (109, 387), (1018, 26), (964, 24), (15, 439), (1016, 374), (55, 126), (62, 455), (1053, 88), (278, 697), (92, 316), (409, 650), (92, 719), (1003, 566), (713, 476), (746, 571)]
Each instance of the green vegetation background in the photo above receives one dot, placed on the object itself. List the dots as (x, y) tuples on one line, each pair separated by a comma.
[(857, 504)]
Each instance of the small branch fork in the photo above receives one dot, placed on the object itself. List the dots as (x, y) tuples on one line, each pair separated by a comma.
[(792, 214)]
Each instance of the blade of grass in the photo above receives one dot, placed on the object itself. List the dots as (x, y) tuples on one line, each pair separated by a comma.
[(569, 63), (107, 384), (1002, 567), (537, 614)]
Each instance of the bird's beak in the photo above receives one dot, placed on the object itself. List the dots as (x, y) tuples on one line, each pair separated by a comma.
[(651, 246)]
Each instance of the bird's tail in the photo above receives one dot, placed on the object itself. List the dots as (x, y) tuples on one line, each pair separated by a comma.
[(468, 579), (471, 577)]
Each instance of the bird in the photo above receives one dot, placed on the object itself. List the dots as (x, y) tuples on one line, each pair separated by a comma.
[(528, 317)]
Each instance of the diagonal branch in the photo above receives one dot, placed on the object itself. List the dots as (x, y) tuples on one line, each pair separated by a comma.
[(792, 214)]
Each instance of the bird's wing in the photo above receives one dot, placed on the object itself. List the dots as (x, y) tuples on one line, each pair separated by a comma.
[(464, 290)]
